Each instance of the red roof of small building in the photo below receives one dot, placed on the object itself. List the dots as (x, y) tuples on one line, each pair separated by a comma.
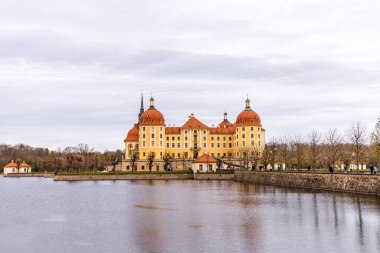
[(205, 158), (133, 134), (24, 165), (194, 123), (11, 165)]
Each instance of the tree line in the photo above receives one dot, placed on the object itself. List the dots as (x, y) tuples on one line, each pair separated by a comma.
[(70, 159), (357, 145)]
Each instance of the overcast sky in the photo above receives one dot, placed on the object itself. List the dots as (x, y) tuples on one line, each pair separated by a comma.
[(72, 71)]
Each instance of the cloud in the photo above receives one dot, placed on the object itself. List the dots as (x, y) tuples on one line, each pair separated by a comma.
[(72, 71)]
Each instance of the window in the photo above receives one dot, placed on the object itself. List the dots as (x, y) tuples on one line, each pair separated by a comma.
[(152, 128), (230, 138), (204, 138), (178, 145), (243, 143), (144, 144), (218, 138), (251, 120), (172, 138), (204, 145), (127, 167), (167, 138), (204, 131), (153, 144), (212, 145), (161, 144), (218, 145), (259, 143), (161, 136), (161, 154), (144, 128), (212, 154), (173, 155), (212, 138), (185, 131), (179, 155), (259, 136), (230, 145), (178, 138), (152, 136), (173, 145), (143, 167), (252, 136), (167, 145), (243, 128), (195, 131), (224, 138), (160, 129), (252, 143), (143, 136), (143, 154), (224, 145), (186, 154), (185, 145), (185, 138), (243, 136), (200, 166), (218, 154)]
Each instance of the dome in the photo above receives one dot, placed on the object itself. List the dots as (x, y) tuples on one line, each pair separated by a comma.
[(248, 117), (152, 116), (133, 134)]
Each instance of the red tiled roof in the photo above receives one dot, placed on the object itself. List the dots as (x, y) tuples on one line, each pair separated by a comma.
[(217, 130), (152, 117), (225, 124), (133, 134), (24, 165), (205, 158), (11, 165), (172, 130), (248, 118), (194, 123)]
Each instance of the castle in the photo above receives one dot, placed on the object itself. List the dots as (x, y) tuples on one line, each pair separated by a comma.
[(150, 136)]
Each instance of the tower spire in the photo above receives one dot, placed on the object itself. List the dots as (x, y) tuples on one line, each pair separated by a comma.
[(141, 106)]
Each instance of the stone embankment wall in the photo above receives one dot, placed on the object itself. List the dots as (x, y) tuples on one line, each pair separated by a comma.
[(123, 177), (367, 184), (34, 174), (201, 176)]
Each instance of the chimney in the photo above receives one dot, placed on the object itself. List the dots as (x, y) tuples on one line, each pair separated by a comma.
[(192, 115)]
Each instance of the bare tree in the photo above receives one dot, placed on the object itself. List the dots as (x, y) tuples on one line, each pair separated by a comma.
[(357, 135), (133, 161), (266, 157), (284, 150), (167, 161), (375, 142), (299, 149), (244, 157), (334, 146), (255, 156), (273, 151), (314, 148), (219, 164), (150, 160)]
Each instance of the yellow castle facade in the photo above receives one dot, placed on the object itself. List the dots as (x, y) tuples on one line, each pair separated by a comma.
[(150, 136)]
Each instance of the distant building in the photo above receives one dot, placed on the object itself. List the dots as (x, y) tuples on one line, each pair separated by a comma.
[(12, 167), (205, 163), (24, 168), (184, 144)]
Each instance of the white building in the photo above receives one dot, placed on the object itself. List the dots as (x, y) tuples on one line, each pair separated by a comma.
[(12, 167), (205, 163), (24, 168)]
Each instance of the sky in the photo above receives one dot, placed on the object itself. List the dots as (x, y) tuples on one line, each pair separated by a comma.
[(73, 71)]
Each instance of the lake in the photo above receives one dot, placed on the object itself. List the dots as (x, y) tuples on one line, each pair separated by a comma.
[(40, 215)]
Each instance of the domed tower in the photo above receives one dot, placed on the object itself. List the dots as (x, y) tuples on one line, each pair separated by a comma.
[(249, 131), (151, 133), (225, 123)]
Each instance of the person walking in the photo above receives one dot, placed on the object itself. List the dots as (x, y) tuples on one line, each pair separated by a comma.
[(371, 169), (375, 170)]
